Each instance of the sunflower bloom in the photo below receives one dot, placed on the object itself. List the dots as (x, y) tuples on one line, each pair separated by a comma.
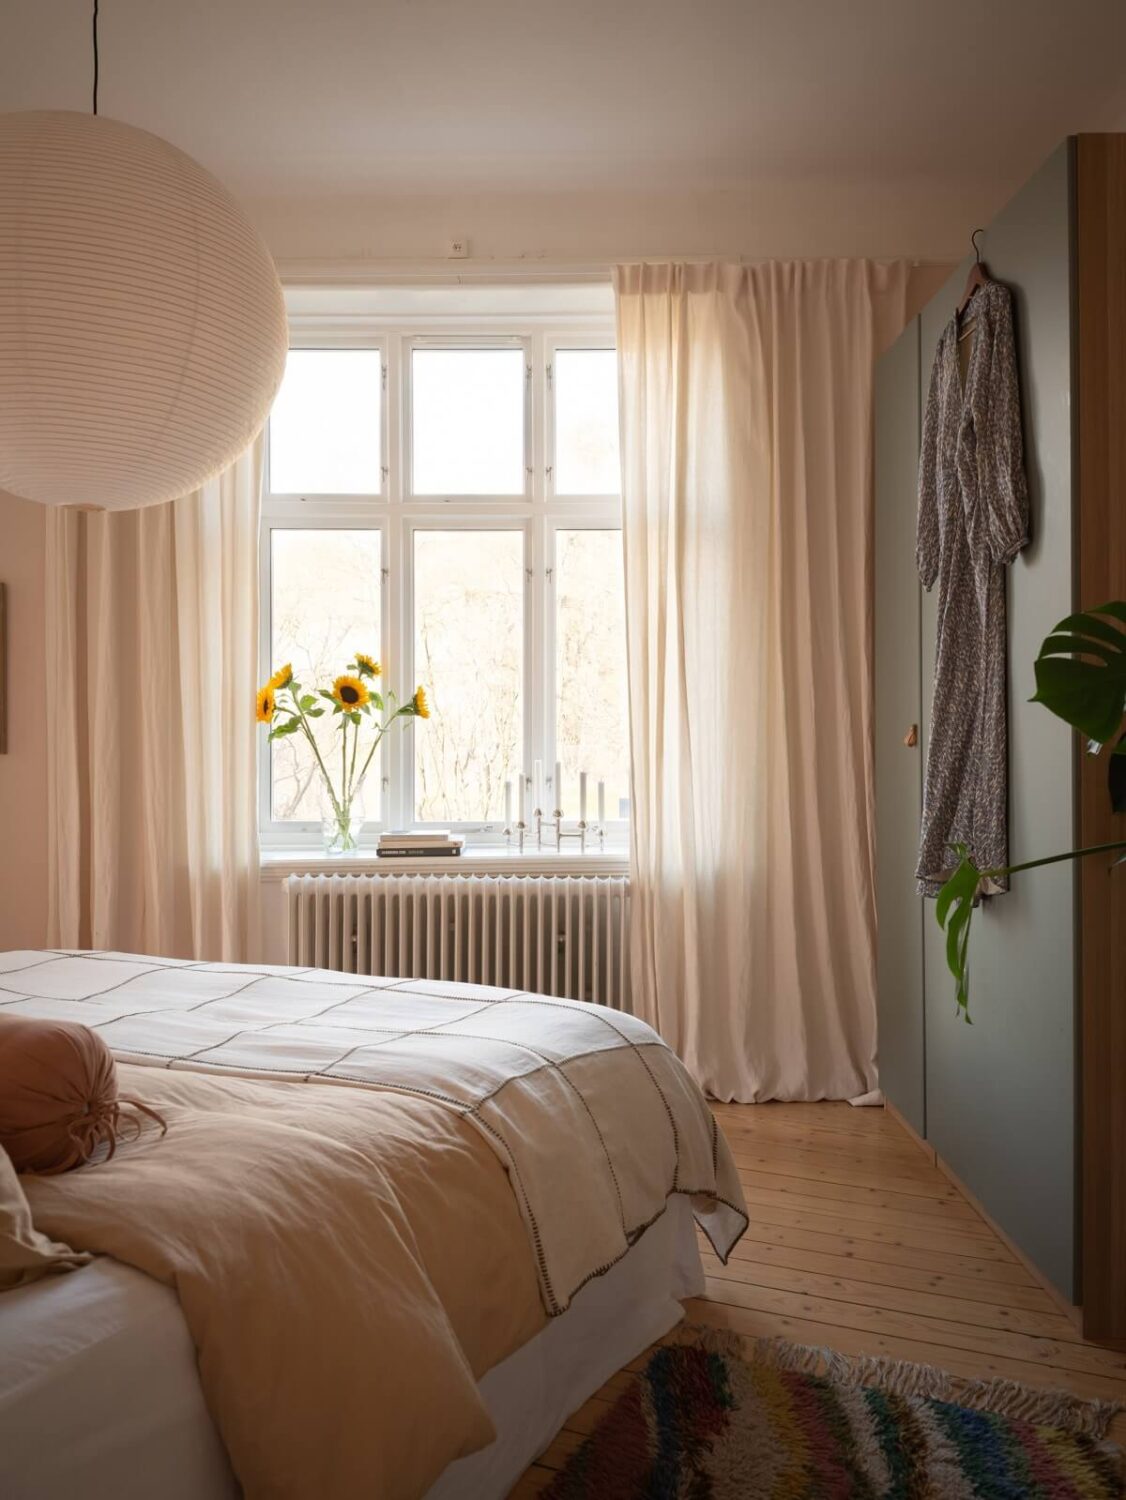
[(281, 678), (368, 666), (350, 693), (264, 704), (419, 703)]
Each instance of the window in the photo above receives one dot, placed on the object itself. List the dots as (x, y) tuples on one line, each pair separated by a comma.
[(324, 606), (325, 430), (586, 422), (446, 500), (467, 421), (469, 650), (591, 728)]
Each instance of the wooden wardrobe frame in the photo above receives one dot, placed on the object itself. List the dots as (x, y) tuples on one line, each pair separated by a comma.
[(1100, 520)]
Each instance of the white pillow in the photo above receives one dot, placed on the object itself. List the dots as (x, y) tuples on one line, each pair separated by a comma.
[(25, 1254)]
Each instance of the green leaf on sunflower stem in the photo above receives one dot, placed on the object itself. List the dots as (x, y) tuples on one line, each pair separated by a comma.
[(953, 911), (355, 718), (289, 727), (324, 693), (314, 713), (1081, 671), (307, 702), (378, 701)]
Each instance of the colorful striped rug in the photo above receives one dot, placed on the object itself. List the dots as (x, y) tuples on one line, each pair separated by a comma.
[(714, 1418)]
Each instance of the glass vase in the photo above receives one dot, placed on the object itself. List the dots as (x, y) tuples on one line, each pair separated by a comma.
[(342, 822)]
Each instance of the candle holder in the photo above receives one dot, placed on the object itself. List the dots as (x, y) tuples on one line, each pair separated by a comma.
[(521, 830), (550, 832)]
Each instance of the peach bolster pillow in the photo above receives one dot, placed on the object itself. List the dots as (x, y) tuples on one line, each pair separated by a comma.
[(58, 1094)]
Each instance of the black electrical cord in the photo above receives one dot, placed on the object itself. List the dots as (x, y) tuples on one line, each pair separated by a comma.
[(95, 29)]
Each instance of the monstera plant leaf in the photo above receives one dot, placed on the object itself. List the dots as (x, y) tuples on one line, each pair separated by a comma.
[(1081, 672), (1080, 677)]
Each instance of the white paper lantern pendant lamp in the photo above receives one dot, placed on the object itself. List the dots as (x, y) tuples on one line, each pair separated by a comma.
[(142, 324)]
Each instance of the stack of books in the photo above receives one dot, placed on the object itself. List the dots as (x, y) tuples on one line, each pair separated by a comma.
[(426, 843)]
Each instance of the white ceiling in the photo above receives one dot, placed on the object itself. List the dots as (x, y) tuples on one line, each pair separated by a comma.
[(809, 111)]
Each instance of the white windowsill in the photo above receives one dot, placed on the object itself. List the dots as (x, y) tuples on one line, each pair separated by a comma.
[(278, 863)]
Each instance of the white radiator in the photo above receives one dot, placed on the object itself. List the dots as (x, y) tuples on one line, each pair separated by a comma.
[(552, 935)]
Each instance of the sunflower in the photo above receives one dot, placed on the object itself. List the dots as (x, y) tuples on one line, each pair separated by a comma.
[(350, 693), (264, 704), (281, 678), (367, 665), (419, 703)]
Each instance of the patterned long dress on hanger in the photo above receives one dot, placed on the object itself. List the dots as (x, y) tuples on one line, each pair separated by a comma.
[(973, 519)]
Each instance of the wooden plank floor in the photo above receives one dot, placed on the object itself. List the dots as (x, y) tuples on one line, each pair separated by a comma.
[(858, 1243)]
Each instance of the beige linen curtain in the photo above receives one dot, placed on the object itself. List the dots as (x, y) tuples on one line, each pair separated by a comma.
[(152, 634), (746, 412)]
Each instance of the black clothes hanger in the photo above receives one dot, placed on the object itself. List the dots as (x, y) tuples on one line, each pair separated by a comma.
[(978, 277)]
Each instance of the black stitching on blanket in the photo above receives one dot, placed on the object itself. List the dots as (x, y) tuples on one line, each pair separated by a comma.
[(23, 968), (632, 1045), (97, 995), (637, 1233)]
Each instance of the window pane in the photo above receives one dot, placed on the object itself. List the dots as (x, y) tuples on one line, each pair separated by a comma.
[(586, 422), (591, 726), (325, 424), (467, 412), (469, 654), (324, 608)]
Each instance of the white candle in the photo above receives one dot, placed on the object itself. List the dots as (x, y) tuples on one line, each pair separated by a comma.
[(601, 801), (508, 802), (559, 785), (539, 784), (525, 790), (582, 796)]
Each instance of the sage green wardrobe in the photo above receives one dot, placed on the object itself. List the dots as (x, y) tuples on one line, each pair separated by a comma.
[(998, 1100)]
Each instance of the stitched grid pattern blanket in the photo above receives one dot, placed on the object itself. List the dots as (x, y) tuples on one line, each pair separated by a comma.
[(596, 1121)]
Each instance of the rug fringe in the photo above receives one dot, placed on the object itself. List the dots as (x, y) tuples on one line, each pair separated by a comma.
[(909, 1381)]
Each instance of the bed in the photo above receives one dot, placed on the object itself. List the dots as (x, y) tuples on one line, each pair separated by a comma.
[(406, 1224)]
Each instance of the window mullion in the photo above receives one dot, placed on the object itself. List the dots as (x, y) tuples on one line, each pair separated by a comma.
[(533, 636), (546, 661), (397, 591)]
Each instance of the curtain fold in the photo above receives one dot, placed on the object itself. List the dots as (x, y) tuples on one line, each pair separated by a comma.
[(746, 414), (152, 640)]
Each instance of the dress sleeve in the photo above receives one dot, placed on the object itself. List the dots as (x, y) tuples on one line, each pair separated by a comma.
[(926, 526), (1000, 449)]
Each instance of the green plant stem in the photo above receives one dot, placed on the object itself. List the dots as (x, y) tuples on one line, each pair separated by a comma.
[(383, 728), (1053, 859), (316, 751), (352, 770)]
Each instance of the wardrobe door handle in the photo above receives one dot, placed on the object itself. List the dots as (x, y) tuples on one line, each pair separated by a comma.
[(911, 738)]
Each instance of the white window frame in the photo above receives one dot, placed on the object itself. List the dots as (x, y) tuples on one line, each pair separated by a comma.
[(398, 514), (463, 341), (551, 351)]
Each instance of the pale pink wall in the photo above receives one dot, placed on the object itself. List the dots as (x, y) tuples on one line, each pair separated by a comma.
[(23, 771)]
